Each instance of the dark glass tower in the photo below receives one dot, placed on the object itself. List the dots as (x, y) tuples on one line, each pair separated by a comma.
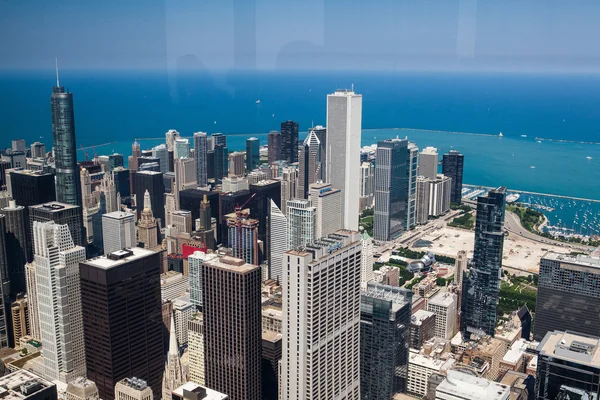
[(391, 189), (61, 214), (274, 146), (452, 166), (321, 133), (252, 154), (5, 321), (221, 162), (384, 341), (153, 182), (200, 156), (68, 185), (32, 187), (482, 287), (16, 238), (289, 141), (264, 192)]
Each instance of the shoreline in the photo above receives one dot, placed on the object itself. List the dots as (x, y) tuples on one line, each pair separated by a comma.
[(560, 196)]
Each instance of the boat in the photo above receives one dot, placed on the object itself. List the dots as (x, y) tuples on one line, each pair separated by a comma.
[(523, 135), (511, 198), (501, 135), (539, 141), (589, 158), (257, 101), (532, 167)]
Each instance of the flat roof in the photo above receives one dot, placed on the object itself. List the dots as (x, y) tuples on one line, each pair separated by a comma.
[(572, 347), (117, 215), (10, 385), (466, 386), (271, 336), (231, 264), (429, 362), (54, 206), (444, 299), (105, 263), (421, 315), (579, 259), (191, 386)]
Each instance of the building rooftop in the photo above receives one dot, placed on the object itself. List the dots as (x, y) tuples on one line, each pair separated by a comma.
[(574, 260), (271, 336), (29, 172), (231, 263), (442, 299), (571, 346), (53, 206), (182, 302), (515, 353), (21, 385), (437, 364), (148, 172), (119, 257), (134, 383), (265, 182), (117, 215), (465, 386), (171, 276), (418, 317), (202, 392)]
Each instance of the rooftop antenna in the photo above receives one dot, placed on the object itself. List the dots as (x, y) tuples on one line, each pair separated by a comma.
[(57, 81), (353, 87)]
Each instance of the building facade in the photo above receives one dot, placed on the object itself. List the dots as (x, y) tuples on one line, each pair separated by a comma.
[(118, 231), (309, 164), (327, 202), (278, 232), (252, 153), (302, 226), (200, 157), (274, 146), (452, 167), (289, 141)]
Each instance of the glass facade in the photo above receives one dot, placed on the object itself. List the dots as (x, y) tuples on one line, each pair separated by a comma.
[(452, 166), (289, 141), (252, 154)]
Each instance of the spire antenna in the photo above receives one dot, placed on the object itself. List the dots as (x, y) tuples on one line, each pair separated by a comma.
[(57, 81)]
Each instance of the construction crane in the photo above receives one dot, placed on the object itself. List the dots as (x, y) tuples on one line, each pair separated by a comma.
[(239, 222), (87, 156), (238, 209)]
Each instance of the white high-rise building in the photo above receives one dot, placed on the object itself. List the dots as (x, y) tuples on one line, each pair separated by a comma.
[(196, 349), (195, 262), (366, 264), (183, 310), (367, 175), (59, 301), (278, 232), (413, 172), (162, 153), (328, 203), (185, 176), (32, 306), (321, 304), (171, 136), (428, 162), (181, 148), (118, 231), (289, 182), (439, 195), (422, 209), (344, 119), (443, 305), (302, 223)]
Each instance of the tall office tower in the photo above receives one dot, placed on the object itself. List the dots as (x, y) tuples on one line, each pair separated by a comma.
[(274, 146), (170, 137), (68, 189), (439, 195), (309, 164), (384, 341), (252, 153), (120, 293), (257, 176), (132, 389), (118, 231), (115, 160), (195, 262), (289, 141), (428, 162), (237, 165), (34, 321), (568, 295), (4, 288), (210, 164), (32, 187), (327, 202), (205, 215), (136, 153), (413, 172), (162, 154), (320, 357), (89, 205), (16, 239), (219, 139), (444, 306), (4, 166), (61, 214), (568, 366), (122, 179), (263, 192), (231, 310), (20, 319), (147, 233), (16, 159), (181, 148), (221, 162), (480, 298), (321, 133), (289, 183), (391, 189), (185, 176), (152, 182), (460, 266), (242, 236), (422, 206), (200, 156), (38, 150), (278, 232), (196, 349), (344, 118), (302, 223), (19, 145), (366, 263), (59, 300), (367, 175), (452, 167), (110, 192), (173, 376)]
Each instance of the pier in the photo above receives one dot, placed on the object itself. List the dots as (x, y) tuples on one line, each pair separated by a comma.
[(558, 196)]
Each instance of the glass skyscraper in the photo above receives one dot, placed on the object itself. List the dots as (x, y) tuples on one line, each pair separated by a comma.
[(452, 166), (482, 287), (201, 157), (289, 141), (252, 154)]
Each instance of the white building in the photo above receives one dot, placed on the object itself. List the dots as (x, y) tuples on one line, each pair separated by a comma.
[(321, 304), (32, 300), (59, 301), (118, 231), (183, 310), (302, 223), (413, 168), (162, 153), (181, 148), (234, 184), (195, 262), (461, 386), (191, 391), (172, 285), (366, 264), (289, 183), (185, 175), (367, 175), (133, 389), (278, 232), (170, 138), (439, 195), (344, 119), (422, 203), (444, 306), (428, 162), (328, 203), (420, 368), (196, 349)]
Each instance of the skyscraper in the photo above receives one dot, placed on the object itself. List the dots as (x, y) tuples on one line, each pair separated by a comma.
[(237, 166), (366, 263), (200, 156), (274, 146), (320, 356), (439, 195), (4, 287), (289, 183), (302, 223), (428, 162), (221, 162), (61, 214), (231, 311), (321, 133), (391, 189), (118, 231), (185, 176), (32, 187), (152, 182), (242, 236), (384, 340), (480, 297), (252, 153), (327, 202), (568, 295), (16, 238), (120, 294), (181, 148), (34, 319), (452, 167), (20, 318), (413, 168), (38, 150), (263, 192), (289, 141), (309, 164), (344, 119), (367, 175), (162, 154), (219, 139), (58, 289), (422, 209), (278, 233), (147, 233), (68, 185), (195, 262)]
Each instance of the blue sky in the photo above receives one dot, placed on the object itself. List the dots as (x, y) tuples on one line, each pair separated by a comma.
[(486, 35)]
